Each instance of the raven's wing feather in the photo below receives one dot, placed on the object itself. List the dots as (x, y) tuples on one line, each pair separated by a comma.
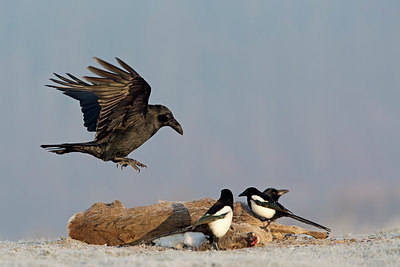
[(88, 100), (116, 97), (210, 218)]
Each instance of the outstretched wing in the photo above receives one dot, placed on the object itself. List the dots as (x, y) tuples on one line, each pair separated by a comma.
[(117, 98), (210, 218)]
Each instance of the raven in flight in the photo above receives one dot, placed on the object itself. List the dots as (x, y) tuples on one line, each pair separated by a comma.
[(115, 106)]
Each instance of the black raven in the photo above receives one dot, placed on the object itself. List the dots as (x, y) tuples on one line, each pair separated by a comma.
[(115, 106)]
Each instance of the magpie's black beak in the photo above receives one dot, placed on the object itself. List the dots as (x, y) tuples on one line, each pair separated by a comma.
[(282, 191), (175, 125), (242, 194)]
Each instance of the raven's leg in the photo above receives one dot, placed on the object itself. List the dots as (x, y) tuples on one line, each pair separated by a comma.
[(124, 162)]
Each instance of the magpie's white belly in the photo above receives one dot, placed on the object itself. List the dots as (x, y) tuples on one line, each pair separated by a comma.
[(262, 211), (221, 226)]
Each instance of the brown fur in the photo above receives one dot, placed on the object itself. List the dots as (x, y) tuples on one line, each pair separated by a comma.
[(113, 224)]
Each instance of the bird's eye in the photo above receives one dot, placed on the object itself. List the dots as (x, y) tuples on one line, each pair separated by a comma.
[(162, 118)]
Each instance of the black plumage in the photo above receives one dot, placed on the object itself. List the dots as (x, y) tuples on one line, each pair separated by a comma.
[(115, 106), (275, 194), (265, 206), (219, 217)]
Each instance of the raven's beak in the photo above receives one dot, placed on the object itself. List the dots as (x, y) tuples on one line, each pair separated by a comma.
[(282, 191), (176, 126)]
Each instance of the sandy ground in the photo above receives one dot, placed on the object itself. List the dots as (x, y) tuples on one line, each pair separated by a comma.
[(375, 249)]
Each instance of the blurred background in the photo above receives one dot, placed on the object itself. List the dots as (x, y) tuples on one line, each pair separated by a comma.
[(287, 94)]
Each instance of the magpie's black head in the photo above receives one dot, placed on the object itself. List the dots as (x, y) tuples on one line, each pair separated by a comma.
[(165, 118), (250, 191), (275, 194), (226, 197)]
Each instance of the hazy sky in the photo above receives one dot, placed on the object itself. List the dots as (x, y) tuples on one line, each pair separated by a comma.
[(302, 95)]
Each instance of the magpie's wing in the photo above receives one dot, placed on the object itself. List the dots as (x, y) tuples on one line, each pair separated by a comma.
[(271, 205), (210, 218), (117, 97)]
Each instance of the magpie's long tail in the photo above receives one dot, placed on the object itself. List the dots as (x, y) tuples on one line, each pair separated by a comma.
[(307, 221), (91, 148)]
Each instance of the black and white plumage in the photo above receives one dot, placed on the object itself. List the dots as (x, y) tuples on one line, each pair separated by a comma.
[(266, 207), (115, 106), (219, 216)]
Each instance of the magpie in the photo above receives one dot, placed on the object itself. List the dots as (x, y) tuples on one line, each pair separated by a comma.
[(265, 206), (275, 194), (115, 106), (219, 217)]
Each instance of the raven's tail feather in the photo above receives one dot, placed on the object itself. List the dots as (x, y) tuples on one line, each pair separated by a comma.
[(308, 222), (88, 148)]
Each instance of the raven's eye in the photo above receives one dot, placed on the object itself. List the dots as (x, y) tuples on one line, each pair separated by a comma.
[(162, 118)]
